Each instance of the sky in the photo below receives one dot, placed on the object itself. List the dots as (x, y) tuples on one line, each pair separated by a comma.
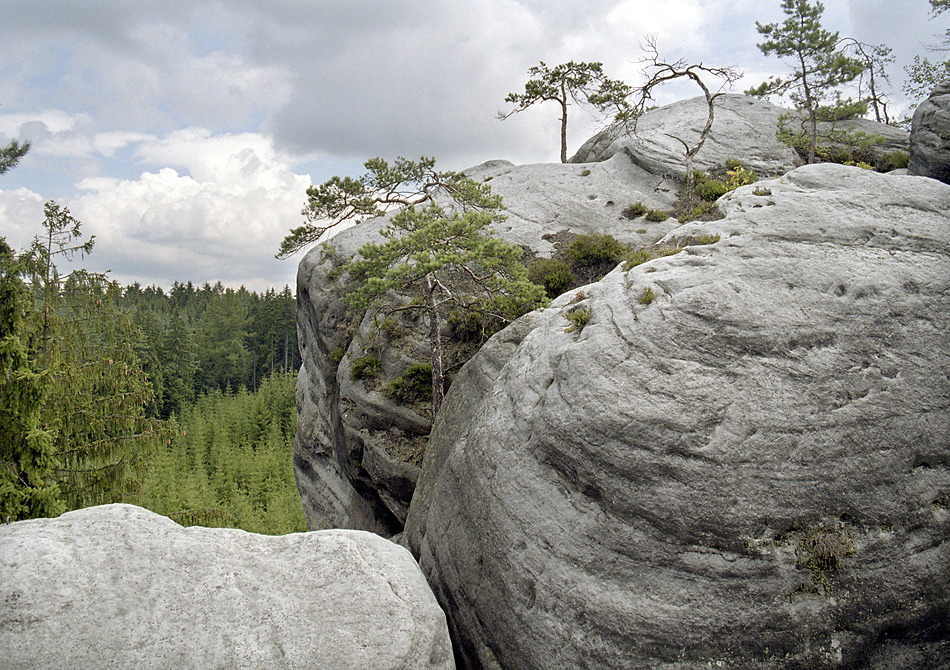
[(184, 133)]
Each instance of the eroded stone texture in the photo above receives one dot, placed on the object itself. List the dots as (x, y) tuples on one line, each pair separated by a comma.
[(357, 453), (930, 136), (120, 587), (744, 129), (751, 469)]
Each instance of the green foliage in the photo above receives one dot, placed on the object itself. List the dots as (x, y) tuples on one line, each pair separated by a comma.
[(761, 191), (412, 386), (711, 189), (740, 176), (469, 326), (640, 256), (579, 317), (585, 173), (337, 354), (657, 216), (365, 367), (823, 549), (733, 164), (589, 250), (404, 183), (229, 464), (923, 76), (894, 160), (445, 255), (635, 210), (27, 454), (818, 61), (11, 154), (584, 83), (646, 296), (705, 211), (554, 275)]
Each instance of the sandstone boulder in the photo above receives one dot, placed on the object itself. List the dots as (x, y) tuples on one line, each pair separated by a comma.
[(119, 587), (357, 453), (744, 129), (741, 460), (930, 136)]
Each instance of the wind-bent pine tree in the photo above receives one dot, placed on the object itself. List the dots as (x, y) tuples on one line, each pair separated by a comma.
[(446, 258), (660, 72), (439, 246), (582, 83), (819, 65), (383, 187)]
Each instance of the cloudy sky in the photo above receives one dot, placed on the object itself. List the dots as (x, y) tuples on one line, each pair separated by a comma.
[(183, 133)]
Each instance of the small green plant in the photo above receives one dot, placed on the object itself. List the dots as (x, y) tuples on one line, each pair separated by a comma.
[(390, 327), (656, 216), (588, 250), (412, 386), (634, 210), (895, 160), (820, 549), (711, 189), (704, 210), (554, 275), (646, 296), (337, 355), (705, 238), (733, 164), (761, 191), (585, 173), (639, 256), (579, 316), (641, 231), (741, 177), (365, 367), (467, 326)]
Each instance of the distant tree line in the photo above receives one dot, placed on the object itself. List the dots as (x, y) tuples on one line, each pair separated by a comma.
[(194, 340)]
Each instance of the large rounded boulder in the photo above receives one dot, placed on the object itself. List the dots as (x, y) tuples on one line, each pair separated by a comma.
[(117, 586), (736, 456)]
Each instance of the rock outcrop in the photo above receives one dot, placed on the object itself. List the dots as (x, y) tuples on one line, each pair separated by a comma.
[(119, 587), (930, 136), (744, 130), (357, 453), (741, 460)]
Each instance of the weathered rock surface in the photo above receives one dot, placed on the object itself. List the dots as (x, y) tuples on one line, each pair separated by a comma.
[(119, 587), (357, 453), (930, 136), (750, 471), (744, 129)]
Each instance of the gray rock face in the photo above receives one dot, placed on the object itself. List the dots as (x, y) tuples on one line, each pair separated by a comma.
[(357, 453), (119, 587), (744, 129), (930, 136), (749, 469)]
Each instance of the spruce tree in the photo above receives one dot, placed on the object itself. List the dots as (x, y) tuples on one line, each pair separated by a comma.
[(27, 451)]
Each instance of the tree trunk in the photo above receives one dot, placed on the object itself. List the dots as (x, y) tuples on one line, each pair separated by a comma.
[(435, 341), (563, 102)]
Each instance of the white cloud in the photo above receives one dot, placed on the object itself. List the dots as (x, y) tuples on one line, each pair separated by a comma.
[(223, 220)]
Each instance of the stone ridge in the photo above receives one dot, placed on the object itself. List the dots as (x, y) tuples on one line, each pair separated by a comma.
[(744, 129)]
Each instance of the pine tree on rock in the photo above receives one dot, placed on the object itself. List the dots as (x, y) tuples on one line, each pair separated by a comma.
[(582, 83), (819, 64)]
